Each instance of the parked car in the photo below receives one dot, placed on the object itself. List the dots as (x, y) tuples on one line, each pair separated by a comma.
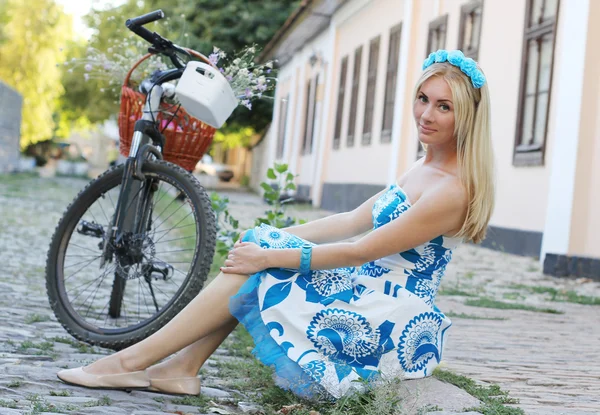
[(207, 166)]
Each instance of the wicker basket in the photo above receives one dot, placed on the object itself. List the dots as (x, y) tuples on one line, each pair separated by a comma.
[(186, 137)]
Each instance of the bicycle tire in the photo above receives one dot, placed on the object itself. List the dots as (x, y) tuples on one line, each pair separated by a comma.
[(203, 256)]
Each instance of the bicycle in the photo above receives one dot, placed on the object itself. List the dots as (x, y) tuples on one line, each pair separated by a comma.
[(147, 221)]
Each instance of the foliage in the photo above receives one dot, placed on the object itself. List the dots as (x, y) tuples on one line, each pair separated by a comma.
[(232, 139), (199, 25), (280, 181), (29, 55)]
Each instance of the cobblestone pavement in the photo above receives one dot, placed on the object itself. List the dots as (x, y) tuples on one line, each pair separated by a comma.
[(547, 361)]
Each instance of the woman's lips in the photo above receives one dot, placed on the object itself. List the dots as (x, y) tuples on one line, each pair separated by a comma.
[(426, 130)]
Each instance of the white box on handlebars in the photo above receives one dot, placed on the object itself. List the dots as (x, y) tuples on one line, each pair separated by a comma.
[(205, 94)]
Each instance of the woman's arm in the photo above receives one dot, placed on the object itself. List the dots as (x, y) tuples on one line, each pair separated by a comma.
[(337, 227), (438, 211)]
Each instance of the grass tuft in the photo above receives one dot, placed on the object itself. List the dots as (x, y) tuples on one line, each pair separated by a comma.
[(562, 296), (492, 397), (491, 303), (472, 316)]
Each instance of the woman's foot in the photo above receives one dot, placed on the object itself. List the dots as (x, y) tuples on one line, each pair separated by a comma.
[(107, 373), (173, 377), (171, 368), (110, 365)]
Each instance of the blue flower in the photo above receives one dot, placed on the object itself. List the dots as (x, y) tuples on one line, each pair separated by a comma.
[(455, 57), (477, 79), (441, 56), (468, 66), (429, 61)]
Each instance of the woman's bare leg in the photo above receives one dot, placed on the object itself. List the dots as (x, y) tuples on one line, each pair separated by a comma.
[(208, 312), (187, 362)]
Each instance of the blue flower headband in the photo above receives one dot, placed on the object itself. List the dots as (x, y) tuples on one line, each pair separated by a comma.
[(458, 59)]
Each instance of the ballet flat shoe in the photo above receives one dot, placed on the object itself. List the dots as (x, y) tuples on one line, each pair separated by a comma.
[(124, 381), (176, 386)]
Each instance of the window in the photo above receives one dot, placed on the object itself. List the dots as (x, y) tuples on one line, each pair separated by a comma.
[(354, 97), (340, 104), (469, 32), (390, 83), (437, 34), (283, 113), (536, 78), (309, 120), (371, 83)]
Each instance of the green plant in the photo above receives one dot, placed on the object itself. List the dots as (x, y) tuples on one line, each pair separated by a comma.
[(8, 404), (35, 318), (245, 180), (491, 303), (280, 181), (60, 393), (492, 397)]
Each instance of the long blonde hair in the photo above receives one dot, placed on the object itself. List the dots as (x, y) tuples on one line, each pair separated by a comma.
[(474, 146)]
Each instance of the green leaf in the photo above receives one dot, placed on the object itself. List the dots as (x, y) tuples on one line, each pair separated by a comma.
[(266, 187), (281, 168), (290, 186), (271, 174), (289, 177)]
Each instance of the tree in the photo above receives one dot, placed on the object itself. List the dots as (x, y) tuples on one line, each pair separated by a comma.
[(199, 25), (30, 52)]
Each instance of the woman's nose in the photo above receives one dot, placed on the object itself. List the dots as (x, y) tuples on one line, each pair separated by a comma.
[(427, 114)]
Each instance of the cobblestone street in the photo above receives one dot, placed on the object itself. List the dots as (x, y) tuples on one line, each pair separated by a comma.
[(548, 358)]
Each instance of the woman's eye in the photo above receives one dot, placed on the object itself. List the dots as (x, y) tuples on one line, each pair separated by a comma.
[(423, 98), (445, 107)]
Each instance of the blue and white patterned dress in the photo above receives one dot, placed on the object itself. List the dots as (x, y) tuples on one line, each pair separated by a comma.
[(325, 329)]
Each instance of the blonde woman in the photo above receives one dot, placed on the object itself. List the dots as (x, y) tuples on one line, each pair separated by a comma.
[(324, 312)]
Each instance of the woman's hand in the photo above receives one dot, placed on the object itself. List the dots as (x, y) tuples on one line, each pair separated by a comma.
[(245, 258)]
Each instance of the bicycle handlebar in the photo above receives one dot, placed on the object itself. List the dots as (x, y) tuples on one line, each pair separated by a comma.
[(159, 43), (146, 18)]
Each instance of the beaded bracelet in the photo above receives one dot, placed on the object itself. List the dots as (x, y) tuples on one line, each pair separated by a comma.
[(305, 258)]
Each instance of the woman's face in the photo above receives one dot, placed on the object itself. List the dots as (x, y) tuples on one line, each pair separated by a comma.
[(434, 112)]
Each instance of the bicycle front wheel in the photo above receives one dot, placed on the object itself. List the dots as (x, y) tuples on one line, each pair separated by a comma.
[(115, 293)]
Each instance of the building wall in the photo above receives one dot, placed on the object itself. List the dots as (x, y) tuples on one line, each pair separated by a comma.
[(10, 128), (585, 238), (361, 164)]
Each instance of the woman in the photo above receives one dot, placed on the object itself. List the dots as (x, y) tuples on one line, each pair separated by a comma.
[(325, 313)]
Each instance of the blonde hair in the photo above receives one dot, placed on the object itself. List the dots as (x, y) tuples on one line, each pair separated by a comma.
[(474, 146)]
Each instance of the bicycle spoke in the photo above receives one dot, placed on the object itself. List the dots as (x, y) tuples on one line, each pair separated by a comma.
[(178, 239), (87, 249), (88, 284), (186, 216), (176, 250), (169, 217), (94, 297), (87, 262), (76, 272)]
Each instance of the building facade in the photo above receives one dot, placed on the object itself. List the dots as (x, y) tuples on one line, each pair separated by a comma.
[(343, 109)]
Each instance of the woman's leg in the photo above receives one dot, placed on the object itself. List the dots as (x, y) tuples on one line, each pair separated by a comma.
[(207, 313), (187, 362)]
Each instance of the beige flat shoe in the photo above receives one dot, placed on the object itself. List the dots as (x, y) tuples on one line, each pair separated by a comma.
[(125, 381), (176, 386)]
